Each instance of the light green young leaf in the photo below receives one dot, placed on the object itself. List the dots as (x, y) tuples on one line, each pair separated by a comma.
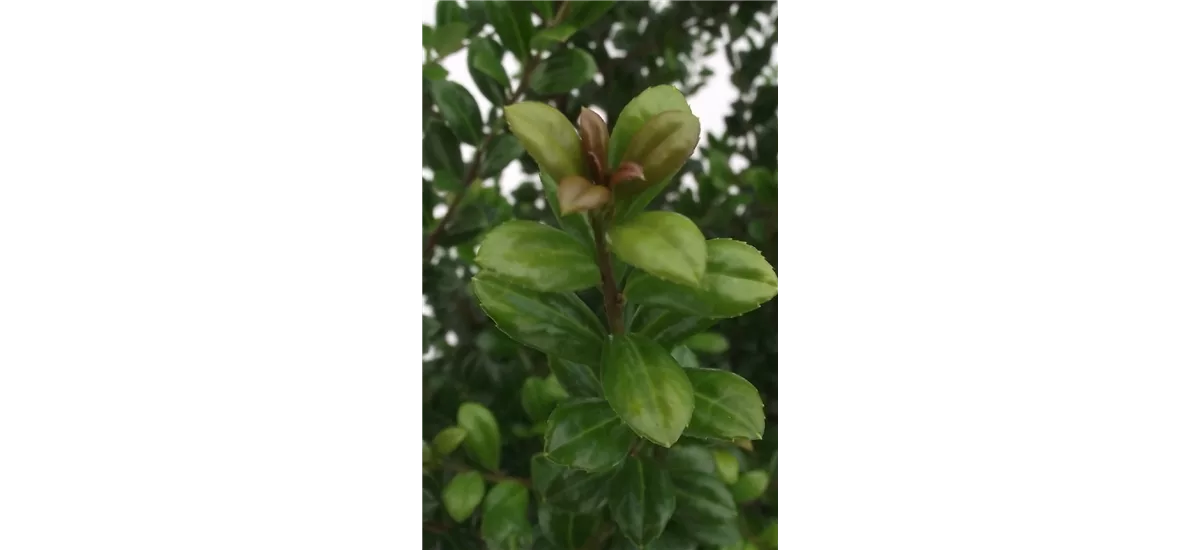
[(727, 406), (751, 486), (483, 434), (664, 244), (447, 440), (548, 137), (727, 466), (708, 342), (538, 257), (652, 101), (462, 495), (736, 280), (505, 521), (647, 388)]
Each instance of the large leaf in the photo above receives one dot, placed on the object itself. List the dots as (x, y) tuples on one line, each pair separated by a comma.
[(587, 435), (462, 495), (447, 440), (538, 257), (736, 280), (483, 435), (650, 102), (667, 245), (569, 489), (702, 497), (647, 388), (548, 137), (567, 530), (505, 521), (513, 25), (726, 406), (668, 327), (500, 152), (484, 57), (578, 379), (641, 500), (564, 71), (442, 151), (555, 323), (459, 109)]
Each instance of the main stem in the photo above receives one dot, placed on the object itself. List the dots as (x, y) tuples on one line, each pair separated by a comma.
[(613, 304)]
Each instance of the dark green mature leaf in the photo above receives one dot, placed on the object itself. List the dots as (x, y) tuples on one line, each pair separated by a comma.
[(582, 14), (708, 342), (448, 11), (484, 57), (577, 225), (587, 435), (702, 497), (641, 500), (447, 440), (433, 71), (564, 71), (569, 489), (429, 504), (483, 435), (545, 8), (579, 380), (650, 102), (448, 38), (737, 280), (503, 150), (726, 406), (668, 327), (462, 495), (691, 458), (513, 25), (750, 486), (461, 112), (505, 520), (538, 257), (556, 324), (539, 397), (647, 388), (567, 530), (548, 38), (667, 245), (442, 150), (670, 540), (715, 532)]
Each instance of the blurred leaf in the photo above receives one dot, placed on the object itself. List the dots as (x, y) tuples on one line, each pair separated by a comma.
[(548, 38), (577, 379), (587, 435), (483, 435), (564, 71), (449, 12), (513, 25), (462, 495), (486, 69), (461, 112), (433, 71), (750, 486), (442, 150), (503, 150), (582, 14), (448, 38), (505, 520), (708, 342)]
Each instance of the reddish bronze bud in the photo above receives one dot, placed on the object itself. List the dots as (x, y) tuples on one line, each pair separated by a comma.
[(626, 172), (576, 194), (594, 133)]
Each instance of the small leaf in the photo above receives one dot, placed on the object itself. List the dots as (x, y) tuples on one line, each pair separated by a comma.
[(661, 147), (727, 466), (577, 226), (484, 64), (587, 435), (576, 194), (569, 489), (668, 327), (548, 38), (548, 137), (641, 500), (505, 521), (536, 399), (646, 105), (503, 150), (513, 25), (685, 357), (727, 406), (538, 257), (736, 280), (702, 497), (442, 150), (708, 342), (462, 495), (433, 71), (593, 133), (458, 106), (579, 380), (449, 38), (646, 388), (447, 440), (751, 486), (665, 244), (557, 324), (567, 530), (483, 435), (691, 458), (429, 504), (564, 71)]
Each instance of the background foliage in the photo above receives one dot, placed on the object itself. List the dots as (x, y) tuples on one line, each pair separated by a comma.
[(619, 49)]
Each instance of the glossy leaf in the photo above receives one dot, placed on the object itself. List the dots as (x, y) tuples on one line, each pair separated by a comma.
[(442, 150), (539, 398), (727, 406), (458, 107), (548, 137), (538, 257), (578, 379), (570, 489), (567, 530), (641, 500), (727, 466), (691, 458), (647, 388), (484, 64), (702, 497), (646, 105), (587, 435), (664, 244), (750, 486), (685, 357), (668, 327), (718, 532), (737, 280), (661, 147), (556, 324), (462, 495), (513, 25), (708, 342), (505, 520), (564, 71), (483, 435), (447, 440), (499, 154)]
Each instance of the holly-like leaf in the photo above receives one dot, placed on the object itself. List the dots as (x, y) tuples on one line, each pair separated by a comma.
[(750, 486), (564, 71), (664, 244), (736, 280), (462, 495), (570, 489), (513, 25), (587, 435), (557, 324), (727, 466), (538, 257), (702, 497), (505, 521), (647, 388), (727, 406), (447, 440), (484, 64), (461, 112), (567, 530), (641, 500), (483, 434), (578, 379)]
